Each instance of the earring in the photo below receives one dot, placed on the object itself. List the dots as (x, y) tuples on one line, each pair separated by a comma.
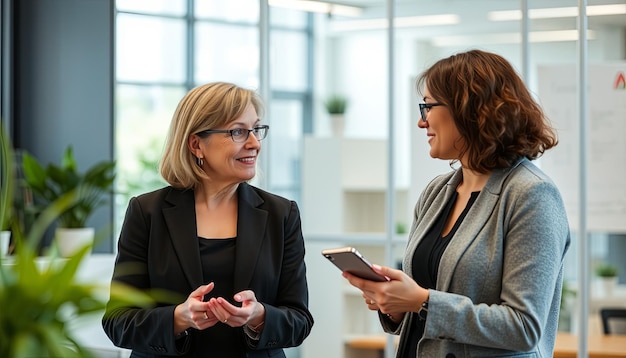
[(199, 161)]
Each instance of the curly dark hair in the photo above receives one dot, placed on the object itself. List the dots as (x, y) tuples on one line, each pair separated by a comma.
[(492, 108)]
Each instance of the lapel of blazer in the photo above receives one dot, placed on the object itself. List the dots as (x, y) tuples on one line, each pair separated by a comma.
[(475, 220), (432, 208), (251, 229), (180, 219)]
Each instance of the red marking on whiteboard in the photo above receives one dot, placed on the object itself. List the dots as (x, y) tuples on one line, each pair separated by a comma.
[(620, 81)]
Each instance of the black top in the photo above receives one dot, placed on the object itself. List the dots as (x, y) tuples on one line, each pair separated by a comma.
[(218, 266), (426, 262)]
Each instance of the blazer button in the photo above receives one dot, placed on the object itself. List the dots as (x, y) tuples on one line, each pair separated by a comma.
[(450, 355)]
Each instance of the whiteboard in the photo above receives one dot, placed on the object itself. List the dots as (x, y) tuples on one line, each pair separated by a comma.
[(606, 142)]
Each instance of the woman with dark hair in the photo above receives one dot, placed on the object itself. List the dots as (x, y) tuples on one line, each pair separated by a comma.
[(482, 271)]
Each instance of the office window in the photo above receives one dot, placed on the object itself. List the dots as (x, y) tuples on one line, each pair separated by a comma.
[(288, 18), (149, 49), (155, 7), (233, 58), (142, 118), (285, 147), (289, 56), (231, 10), (164, 48)]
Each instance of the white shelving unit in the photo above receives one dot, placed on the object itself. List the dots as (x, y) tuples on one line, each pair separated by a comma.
[(344, 204), (344, 185)]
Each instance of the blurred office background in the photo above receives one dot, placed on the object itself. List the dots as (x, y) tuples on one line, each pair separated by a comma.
[(106, 75)]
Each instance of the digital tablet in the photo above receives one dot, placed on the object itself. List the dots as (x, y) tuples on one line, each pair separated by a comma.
[(350, 260)]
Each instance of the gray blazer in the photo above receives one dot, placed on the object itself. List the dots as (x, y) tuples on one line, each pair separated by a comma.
[(499, 284)]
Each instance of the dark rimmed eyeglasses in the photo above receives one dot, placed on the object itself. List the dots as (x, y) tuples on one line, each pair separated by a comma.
[(425, 108), (239, 135)]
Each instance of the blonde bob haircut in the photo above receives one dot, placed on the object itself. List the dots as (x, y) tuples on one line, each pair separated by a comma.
[(209, 106)]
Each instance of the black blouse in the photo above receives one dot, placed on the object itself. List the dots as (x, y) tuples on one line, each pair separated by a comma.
[(218, 266), (426, 260)]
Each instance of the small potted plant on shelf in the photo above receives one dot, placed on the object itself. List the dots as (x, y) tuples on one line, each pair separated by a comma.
[(52, 182), (608, 276), (336, 107)]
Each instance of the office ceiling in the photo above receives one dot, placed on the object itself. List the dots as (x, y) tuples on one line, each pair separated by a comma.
[(473, 14)]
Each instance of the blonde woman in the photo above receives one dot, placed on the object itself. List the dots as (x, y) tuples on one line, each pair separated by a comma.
[(233, 252)]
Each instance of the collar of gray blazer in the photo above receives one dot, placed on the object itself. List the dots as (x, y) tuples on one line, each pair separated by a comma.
[(180, 219), (496, 180), (433, 202)]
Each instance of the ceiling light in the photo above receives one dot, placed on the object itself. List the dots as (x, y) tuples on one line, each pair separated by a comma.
[(599, 10), (509, 38), (399, 22), (557, 12), (429, 20), (318, 6)]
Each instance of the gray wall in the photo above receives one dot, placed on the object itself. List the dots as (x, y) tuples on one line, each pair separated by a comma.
[(63, 84)]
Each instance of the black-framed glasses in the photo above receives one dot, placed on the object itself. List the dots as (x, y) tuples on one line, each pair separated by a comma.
[(425, 108), (239, 135)]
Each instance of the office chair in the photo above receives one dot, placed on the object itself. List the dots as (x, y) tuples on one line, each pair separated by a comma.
[(610, 314)]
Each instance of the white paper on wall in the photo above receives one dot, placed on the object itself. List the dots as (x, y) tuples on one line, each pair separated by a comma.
[(606, 141)]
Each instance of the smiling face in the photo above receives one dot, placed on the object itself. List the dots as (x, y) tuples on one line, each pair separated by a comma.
[(443, 136), (225, 161)]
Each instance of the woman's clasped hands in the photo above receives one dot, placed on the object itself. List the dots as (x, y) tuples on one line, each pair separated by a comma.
[(200, 314)]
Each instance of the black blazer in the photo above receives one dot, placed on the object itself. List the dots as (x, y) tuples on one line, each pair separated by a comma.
[(158, 249)]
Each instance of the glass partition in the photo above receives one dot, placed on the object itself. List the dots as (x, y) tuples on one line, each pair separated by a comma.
[(554, 68), (356, 52), (339, 164), (345, 171)]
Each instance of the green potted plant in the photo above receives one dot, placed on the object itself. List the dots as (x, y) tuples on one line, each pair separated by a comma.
[(336, 107), (608, 277), (606, 270), (52, 182), (336, 104), (40, 299)]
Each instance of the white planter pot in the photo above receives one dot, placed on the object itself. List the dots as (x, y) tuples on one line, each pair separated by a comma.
[(70, 241), (338, 122), (608, 285), (5, 239)]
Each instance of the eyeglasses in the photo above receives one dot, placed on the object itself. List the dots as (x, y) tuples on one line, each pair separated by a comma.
[(239, 135), (425, 108)]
